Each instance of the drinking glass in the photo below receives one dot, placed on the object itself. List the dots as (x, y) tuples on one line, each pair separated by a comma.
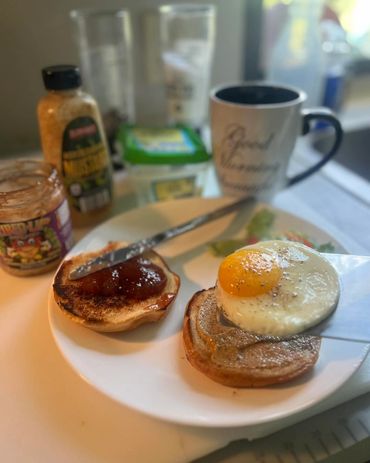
[(187, 44), (104, 40)]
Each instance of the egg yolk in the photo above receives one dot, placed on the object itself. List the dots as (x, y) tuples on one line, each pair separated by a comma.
[(248, 272)]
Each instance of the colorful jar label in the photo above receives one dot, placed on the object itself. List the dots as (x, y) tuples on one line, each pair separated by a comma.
[(85, 166), (36, 243)]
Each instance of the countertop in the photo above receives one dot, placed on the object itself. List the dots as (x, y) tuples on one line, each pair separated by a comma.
[(50, 414)]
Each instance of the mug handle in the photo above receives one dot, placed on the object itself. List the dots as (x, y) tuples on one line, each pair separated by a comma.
[(323, 114)]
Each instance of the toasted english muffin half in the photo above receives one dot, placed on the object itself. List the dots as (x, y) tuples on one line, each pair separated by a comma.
[(108, 313), (234, 357)]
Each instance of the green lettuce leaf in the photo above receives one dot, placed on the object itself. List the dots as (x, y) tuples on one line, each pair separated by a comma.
[(260, 225), (225, 247)]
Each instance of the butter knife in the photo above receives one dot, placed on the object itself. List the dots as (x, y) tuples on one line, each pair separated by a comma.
[(121, 255)]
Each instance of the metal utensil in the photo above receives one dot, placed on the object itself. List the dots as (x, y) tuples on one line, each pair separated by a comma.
[(351, 319), (121, 255)]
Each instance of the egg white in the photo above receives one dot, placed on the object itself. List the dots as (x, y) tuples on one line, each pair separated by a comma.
[(307, 292)]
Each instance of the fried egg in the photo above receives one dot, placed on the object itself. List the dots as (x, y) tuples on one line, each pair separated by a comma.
[(277, 288)]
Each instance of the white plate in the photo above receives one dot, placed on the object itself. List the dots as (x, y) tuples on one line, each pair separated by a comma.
[(146, 369)]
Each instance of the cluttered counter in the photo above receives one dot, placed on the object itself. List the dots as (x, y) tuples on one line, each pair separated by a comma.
[(50, 413), (70, 393)]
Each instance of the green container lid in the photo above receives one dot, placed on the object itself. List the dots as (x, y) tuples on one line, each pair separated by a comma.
[(170, 145)]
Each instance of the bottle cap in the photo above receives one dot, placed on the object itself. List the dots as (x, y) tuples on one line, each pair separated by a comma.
[(61, 77)]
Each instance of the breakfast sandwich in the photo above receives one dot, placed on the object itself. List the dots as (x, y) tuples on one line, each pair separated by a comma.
[(247, 331)]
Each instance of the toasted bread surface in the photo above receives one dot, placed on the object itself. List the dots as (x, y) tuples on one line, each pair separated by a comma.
[(111, 313), (236, 358)]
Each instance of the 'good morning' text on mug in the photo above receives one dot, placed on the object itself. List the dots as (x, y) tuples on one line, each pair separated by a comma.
[(234, 144), (254, 130)]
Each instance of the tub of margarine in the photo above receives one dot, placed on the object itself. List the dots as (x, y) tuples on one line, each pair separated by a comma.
[(164, 163)]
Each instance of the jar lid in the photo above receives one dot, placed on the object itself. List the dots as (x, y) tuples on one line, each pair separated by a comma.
[(61, 77), (170, 145), (24, 180)]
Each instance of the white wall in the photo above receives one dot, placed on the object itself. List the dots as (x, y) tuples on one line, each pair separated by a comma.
[(38, 33)]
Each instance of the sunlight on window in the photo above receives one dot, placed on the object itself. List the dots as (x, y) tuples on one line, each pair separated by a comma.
[(357, 21), (352, 15)]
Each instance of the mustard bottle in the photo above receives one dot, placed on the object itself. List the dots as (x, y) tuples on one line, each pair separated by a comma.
[(73, 140)]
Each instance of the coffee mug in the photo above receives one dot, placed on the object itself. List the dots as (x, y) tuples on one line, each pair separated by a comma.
[(255, 126)]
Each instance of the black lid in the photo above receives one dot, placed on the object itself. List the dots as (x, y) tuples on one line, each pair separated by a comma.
[(61, 77)]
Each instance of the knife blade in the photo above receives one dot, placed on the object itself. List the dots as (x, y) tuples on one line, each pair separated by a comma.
[(121, 255), (351, 319)]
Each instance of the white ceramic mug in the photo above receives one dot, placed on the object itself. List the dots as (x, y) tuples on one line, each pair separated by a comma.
[(255, 126)]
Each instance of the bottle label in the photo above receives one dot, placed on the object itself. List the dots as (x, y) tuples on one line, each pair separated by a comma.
[(174, 188), (34, 244), (187, 72), (171, 141), (85, 166)]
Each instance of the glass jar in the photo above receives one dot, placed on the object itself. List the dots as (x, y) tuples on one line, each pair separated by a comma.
[(35, 224)]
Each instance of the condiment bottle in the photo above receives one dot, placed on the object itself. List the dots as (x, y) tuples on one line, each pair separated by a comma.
[(73, 139), (35, 225)]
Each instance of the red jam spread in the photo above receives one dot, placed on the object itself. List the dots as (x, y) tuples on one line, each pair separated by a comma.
[(138, 278)]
